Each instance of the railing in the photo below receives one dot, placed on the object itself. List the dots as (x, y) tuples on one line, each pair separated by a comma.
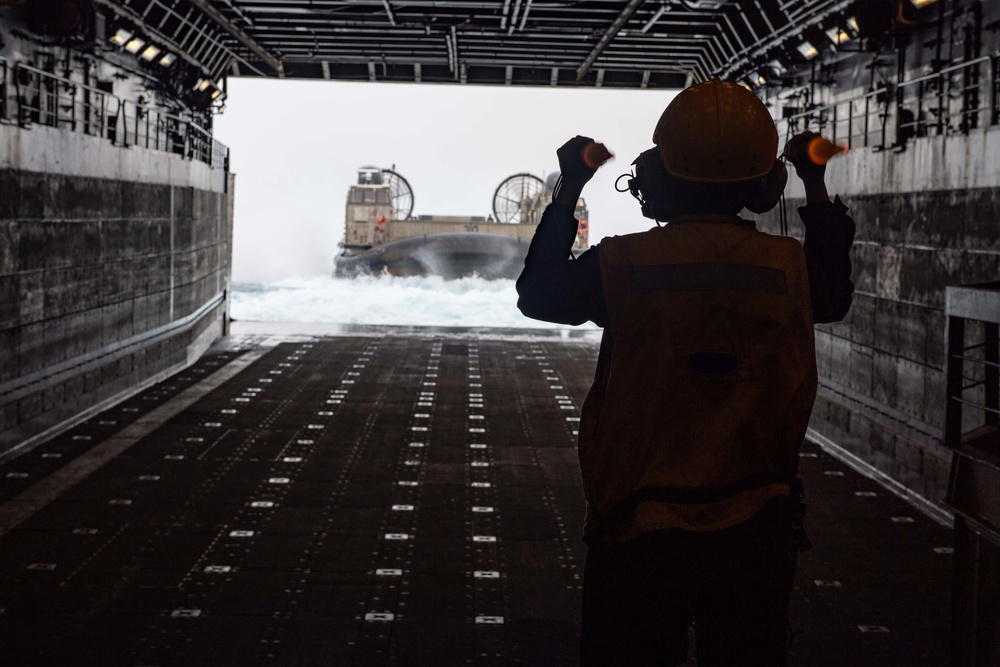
[(151, 128), (973, 373), (954, 100), (963, 86), (48, 99)]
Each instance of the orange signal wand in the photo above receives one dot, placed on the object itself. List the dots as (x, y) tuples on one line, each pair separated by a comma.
[(820, 150), (595, 154)]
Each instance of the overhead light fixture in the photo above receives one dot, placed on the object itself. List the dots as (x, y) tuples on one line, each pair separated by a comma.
[(921, 3), (120, 37), (757, 79), (807, 50), (852, 23), (168, 59), (838, 35), (778, 68), (150, 52), (202, 85), (133, 45), (216, 93)]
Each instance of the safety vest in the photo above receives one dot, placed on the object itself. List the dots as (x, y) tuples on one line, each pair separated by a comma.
[(712, 378)]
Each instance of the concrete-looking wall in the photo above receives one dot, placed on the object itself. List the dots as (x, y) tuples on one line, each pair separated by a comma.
[(114, 267), (926, 218)]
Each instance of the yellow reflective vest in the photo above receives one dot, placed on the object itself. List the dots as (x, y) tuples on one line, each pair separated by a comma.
[(712, 378)]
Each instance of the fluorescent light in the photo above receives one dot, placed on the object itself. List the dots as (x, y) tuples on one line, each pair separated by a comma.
[(778, 68), (216, 93), (757, 79), (150, 52), (168, 59), (852, 23), (921, 3), (133, 45), (808, 50), (120, 37)]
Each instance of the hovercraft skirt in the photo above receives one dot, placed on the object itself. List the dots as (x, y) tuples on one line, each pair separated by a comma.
[(450, 256)]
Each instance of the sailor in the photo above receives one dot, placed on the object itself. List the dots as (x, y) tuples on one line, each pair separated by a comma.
[(689, 436)]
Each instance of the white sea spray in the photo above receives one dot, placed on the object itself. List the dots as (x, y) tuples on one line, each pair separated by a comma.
[(385, 300)]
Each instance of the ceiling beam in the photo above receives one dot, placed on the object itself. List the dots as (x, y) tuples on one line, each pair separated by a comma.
[(388, 11), (243, 38), (607, 37), (636, 44), (752, 51)]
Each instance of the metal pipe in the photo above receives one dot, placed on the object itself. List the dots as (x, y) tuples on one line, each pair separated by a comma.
[(388, 11), (229, 3), (513, 17), (606, 38), (524, 15), (763, 15), (656, 17)]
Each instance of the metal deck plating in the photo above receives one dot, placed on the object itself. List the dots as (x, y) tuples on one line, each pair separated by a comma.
[(383, 497)]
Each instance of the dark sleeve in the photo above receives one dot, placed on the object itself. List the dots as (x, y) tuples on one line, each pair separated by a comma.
[(828, 239), (553, 286)]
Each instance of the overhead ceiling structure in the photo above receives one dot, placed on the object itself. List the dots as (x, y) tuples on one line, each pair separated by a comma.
[(622, 44)]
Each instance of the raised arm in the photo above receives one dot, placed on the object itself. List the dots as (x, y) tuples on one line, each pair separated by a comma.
[(554, 287), (828, 238)]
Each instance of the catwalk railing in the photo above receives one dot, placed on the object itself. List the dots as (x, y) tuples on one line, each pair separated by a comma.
[(953, 100), (48, 99)]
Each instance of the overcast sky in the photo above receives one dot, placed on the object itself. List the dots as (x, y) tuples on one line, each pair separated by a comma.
[(296, 146)]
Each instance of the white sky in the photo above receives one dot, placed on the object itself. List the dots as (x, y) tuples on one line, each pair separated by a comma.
[(296, 146)]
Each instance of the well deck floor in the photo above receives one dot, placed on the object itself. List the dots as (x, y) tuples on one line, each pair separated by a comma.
[(391, 497)]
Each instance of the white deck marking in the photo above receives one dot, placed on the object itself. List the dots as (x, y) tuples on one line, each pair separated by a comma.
[(43, 492)]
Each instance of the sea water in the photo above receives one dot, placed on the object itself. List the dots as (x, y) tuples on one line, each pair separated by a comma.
[(385, 300)]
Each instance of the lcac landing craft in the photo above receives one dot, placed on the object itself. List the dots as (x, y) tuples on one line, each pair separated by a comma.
[(382, 236)]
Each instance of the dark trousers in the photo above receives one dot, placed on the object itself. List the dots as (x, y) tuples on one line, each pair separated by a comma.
[(640, 597)]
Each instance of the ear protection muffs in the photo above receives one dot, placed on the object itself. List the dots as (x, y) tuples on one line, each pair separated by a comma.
[(649, 186), (764, 194)]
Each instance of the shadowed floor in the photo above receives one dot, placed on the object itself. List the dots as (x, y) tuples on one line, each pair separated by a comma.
[(384, 496)]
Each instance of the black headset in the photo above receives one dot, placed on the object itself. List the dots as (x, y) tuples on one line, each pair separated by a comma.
[(651, 186)]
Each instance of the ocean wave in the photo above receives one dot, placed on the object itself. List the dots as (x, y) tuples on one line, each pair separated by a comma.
[(385, 300)]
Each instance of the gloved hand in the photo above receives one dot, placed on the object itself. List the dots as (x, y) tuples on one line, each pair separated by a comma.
[(571, 163), (797, 152), (813, 175)]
